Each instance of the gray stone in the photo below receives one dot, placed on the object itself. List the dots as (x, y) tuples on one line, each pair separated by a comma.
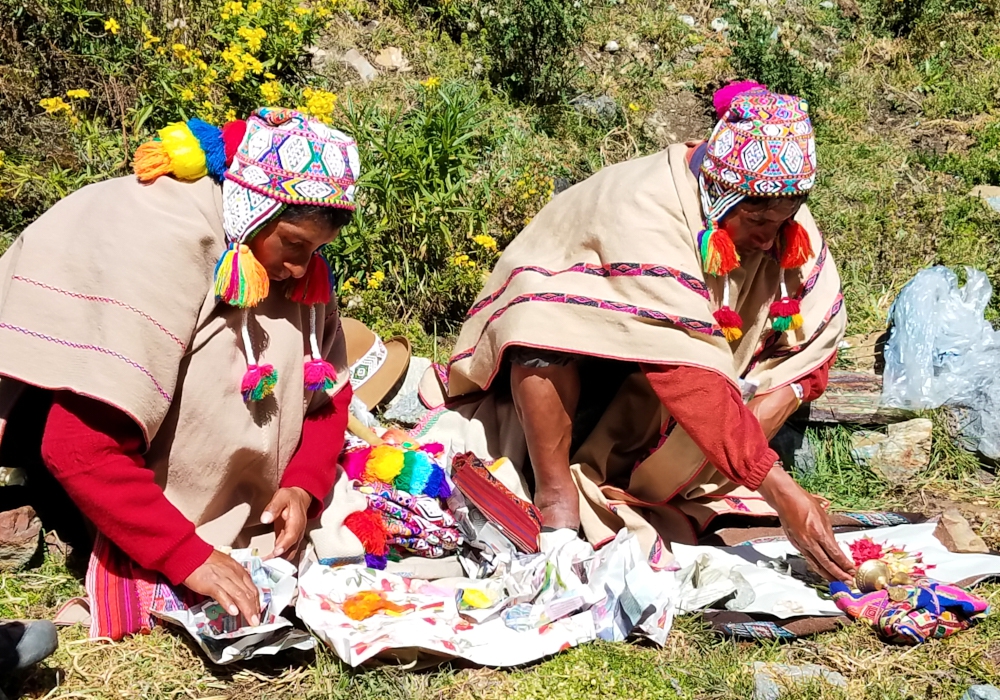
[(989, 194), (560, 184), (719, 24), (827, 5), (982, 692), (321, 58), (772, 679), (20, 533), (611, 47), (898, 455), (795, 451), (355, 60), (687, 19), (603, 108)]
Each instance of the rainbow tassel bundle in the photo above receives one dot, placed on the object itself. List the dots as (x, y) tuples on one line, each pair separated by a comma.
[(401, 464)]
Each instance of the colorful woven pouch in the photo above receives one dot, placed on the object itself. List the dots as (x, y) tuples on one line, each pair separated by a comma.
[(518, 519)]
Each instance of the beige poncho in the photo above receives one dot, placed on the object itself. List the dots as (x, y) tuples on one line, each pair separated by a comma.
[(610, 268), (109, 295)]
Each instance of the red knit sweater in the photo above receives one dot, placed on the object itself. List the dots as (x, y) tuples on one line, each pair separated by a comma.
[(95, 451), (711, 411)]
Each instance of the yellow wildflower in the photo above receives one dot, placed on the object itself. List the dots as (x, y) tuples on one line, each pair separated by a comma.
[(55, 105), (320, 104), (187, 94), (375, 281), (230, 115), (254, 7), (485, 241), (302, 10), (269, 76), (202, 66), (181, 51), (148, 38), (207, 105), (128, 3), (232, 9), (210, 77), (271, 92), (111, 25), (322, 11), (253, 36), (431, 83), (77, 94), (633, 106), (292, 26), (462, 260), (348, 286)]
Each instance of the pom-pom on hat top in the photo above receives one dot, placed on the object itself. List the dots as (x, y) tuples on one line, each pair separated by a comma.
[(762, 146)]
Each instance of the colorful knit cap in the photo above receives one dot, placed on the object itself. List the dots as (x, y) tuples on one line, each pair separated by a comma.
[(762, 146), (278, 157)]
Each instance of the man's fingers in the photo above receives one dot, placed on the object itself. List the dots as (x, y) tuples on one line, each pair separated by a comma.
[(843, 565), (223, 598), (247, 598), (277, 505)]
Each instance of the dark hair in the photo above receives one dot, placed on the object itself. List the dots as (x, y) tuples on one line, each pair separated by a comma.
[(765, 202), (334, 217)]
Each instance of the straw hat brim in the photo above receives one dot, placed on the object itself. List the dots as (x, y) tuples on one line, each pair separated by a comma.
[(378, 388)]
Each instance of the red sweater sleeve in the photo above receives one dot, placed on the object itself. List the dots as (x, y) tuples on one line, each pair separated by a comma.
[(95, 452), (711, 411), (314, 465), (814, 384)]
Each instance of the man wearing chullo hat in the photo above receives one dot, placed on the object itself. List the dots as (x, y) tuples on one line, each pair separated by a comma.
[(620, 331), (173, 341)]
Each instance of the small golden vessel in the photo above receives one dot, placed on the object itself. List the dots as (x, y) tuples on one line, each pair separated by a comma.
[(873, 575)]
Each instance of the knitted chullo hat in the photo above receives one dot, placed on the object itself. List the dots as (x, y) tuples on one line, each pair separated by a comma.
[(278, 157), (763, 146)]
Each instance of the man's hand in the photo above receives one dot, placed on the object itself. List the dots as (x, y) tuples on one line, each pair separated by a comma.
[(807, 525), (223, 580), (772, 410), (288, 511)]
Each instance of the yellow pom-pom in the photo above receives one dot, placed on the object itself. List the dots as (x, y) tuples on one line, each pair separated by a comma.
[(732, 334), (151, 161), (384, 463), (187, 159), (796, 322)]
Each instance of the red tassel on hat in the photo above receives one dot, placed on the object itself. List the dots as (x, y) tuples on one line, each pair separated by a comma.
[(316, 286), (796, 248)]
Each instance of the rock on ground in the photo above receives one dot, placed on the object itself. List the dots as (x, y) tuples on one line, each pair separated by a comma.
[(365, 70), (898, 455), (989, 194), (955, 533), (772, 679), (20, 532), (982, 692), (603, 108)]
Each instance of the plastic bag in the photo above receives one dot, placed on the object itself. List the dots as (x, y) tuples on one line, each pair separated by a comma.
[(942, 349)]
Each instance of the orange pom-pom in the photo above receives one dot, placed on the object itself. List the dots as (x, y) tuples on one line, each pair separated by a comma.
[(151, 161), (796, 248)]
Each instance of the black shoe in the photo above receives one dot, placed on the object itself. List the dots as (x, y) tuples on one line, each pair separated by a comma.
[(24, 644)]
